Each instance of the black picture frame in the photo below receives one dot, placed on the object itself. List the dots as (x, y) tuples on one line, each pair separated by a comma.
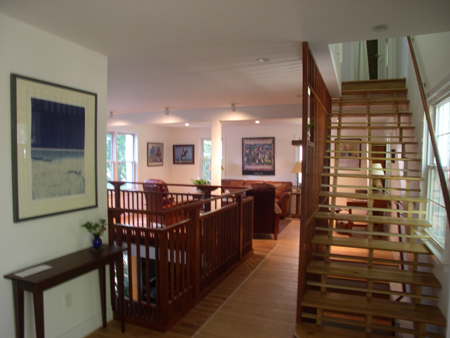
[(54, 148), (183, 154), (258, 156)]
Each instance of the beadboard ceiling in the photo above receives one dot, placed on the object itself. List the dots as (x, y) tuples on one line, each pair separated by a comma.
[(202, 54)]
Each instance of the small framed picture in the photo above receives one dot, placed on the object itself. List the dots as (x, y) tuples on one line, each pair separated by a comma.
[(155, 154), (183, 154), (350, 151)]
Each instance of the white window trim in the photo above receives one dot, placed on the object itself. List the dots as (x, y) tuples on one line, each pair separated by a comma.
[(114, 155), (436, 96), (202, 159)]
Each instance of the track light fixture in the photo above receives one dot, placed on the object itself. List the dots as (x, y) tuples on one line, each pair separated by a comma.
[(167, 110), (233, 107)]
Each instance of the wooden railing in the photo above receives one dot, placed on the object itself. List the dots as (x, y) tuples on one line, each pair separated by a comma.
[(445, 190), (175, 256)]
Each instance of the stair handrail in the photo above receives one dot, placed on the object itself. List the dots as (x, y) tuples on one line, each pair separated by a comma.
[(445, 191)]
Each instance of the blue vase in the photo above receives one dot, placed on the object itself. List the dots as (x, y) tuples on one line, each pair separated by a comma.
[(97, 242)]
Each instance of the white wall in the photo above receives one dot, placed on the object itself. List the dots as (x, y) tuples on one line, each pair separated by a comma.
[(30, 52), (432, 53), (285, 153), (232, 134)]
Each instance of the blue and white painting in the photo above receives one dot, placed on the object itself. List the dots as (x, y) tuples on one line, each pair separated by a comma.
[(57, 149)]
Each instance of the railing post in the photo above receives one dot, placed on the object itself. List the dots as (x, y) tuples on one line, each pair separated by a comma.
[(240, 199), (196, 256), (163, 276), (117, 185)]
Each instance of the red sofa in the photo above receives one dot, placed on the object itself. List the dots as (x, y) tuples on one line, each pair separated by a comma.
[(283, 193)]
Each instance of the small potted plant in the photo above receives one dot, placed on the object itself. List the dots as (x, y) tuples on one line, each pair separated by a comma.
[(310, 125), (97, 229), (200, 181)]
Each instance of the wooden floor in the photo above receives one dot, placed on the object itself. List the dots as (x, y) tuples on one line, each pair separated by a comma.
[(257, 300)]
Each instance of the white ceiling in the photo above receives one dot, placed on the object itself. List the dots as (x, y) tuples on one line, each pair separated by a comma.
[(201, 54)]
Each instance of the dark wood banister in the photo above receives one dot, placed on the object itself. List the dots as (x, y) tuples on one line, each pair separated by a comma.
[(440, 170)]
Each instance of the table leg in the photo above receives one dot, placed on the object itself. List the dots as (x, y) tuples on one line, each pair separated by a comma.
[(38, 300), (119, 265), (101, 275), (18, 309)]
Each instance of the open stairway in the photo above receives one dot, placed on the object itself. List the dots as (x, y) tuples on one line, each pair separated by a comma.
[(366, 277)]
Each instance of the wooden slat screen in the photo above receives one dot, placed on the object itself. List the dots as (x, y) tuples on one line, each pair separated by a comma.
[(316, 106)]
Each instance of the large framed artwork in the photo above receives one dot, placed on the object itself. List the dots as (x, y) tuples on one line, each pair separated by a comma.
[(54, 148), (183, 154), (258, 156), (155, 154), (350, 152)]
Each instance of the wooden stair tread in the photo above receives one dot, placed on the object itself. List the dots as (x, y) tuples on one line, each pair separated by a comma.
[(376, 307), (366, 187), (309, 330), (328, 206), (365, 152), (370, 142), (374, 84), (370, 244), (363, 113), (371, 127), (370, 169), (405, 159), (406, 178), (374, 219), (374, 196), (373, 91), (356, 231), (376, 273)]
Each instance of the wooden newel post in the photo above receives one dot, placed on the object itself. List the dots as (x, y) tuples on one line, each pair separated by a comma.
[(117, 185), (196, 253), (240, 199), (163, 277)]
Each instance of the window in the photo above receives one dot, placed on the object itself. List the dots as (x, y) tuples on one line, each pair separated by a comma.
[(120, 157), (206, 159), (300, 159), (436, 214)]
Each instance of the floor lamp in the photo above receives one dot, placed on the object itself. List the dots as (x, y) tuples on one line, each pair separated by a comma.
[(377, 173), (297, 169)]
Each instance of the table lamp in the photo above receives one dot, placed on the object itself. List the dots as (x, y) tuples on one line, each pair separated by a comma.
[(377, 170), (297, 169)]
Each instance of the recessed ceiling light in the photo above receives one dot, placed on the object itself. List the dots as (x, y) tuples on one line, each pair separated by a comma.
[(186, 124), (379, 28), (263, 60), (257, 122)]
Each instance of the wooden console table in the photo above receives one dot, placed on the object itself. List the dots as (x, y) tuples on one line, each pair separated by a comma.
[(63, 269)]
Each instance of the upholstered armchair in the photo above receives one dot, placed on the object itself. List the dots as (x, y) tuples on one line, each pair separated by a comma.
[(283, 195), (266, 213)]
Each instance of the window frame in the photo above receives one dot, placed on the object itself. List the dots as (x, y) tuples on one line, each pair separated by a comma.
[(440, 248), (114, 160), (204, 159)]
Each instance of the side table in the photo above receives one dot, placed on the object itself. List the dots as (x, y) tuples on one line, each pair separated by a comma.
[(63, 269), (297, 195)]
